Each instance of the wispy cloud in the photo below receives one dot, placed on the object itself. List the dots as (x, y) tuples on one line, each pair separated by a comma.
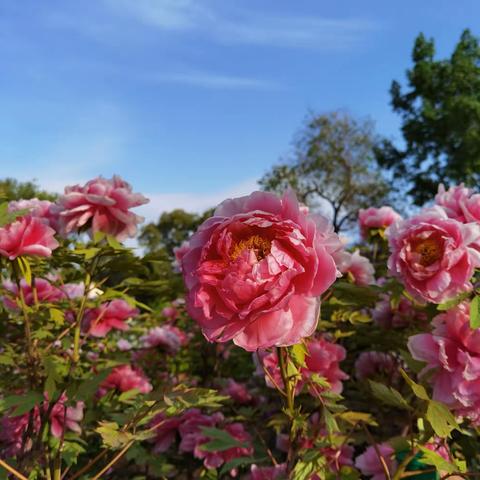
[(213, 80), (236, 26)]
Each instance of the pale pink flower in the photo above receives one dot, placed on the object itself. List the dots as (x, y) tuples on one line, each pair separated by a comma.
[(170, 312), (376, 218), (111, 315), (167, 336), (125, 378), (255, 270), (471, 208), (370, 464), (124, 345), (103, 206), (277, 472), (64, 418), (46, 293), (374, 364), (433, 255), (238, 392), (452, 354), (27, 236), (44, 210), (358, 267), (400, 316), (452, 200)]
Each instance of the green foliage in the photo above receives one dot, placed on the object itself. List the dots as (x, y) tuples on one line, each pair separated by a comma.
[(440, 114)]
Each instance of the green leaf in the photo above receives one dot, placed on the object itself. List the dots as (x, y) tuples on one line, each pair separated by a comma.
[(57, 316), (21, 403), (112, 436), (54, 371), (453, 303), (298, 353), (418, 390), (441, 419), (430, 457), (87, 389), (354, 417), (126, 397), (475, 313), (7, 217), (330, 421), (239, 462), (25, 269), (220, 440), (388, 395)]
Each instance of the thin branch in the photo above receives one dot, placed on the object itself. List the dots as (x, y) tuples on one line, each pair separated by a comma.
[(11, 470)]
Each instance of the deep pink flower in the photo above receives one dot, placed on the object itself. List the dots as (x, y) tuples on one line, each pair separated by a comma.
[(370, 464), (277, 472), (125, 378), (46, 292), (12, 431), (255, 270), (452, 200), (190, 428), (238, 392), (338, 457), (170, 312), (65, 418), (103, 206), (402, 315), (376, 218), (111, 315), (27, 236), (44, 210), (358, 267), (433, 255), (165, 433), (373, 364), (452, 353), (167, 336)]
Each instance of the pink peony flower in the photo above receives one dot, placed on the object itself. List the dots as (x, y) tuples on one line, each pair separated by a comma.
[(125, 378), (167, 336), (471, 208), (358, 267), (238, 392), (277, 472), (370, 464), (373, 364), (103, 206), (452, 200), (255, 270), (165, 433), (65, 418), (13, 429), (433, 255), (403, 315), (452, 354), (190, 428), (46, 293), (44, 210), (170, 312), (179, 252), (376, 218), (27, 236), (111, 315), (338, 457)]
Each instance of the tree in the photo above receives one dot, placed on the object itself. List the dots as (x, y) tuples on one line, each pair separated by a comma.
[(332, 167), (440, 112), (11, 189), (171, 230)]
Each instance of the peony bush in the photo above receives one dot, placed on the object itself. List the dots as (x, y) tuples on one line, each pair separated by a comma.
[(263, 347)]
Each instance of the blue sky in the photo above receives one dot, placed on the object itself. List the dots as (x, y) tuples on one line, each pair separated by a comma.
[(193, 100)]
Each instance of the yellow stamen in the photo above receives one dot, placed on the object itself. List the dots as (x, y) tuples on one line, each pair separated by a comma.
[(259, 245), (430, 251)]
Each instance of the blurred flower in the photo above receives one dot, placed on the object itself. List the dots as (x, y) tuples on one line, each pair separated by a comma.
[(452, 200), (125, 378), (44, 210), (370, 464), (45, 291), (167, 336), (65, 418), (277, 472), (376, 218), (358, 267), (103, 206), (238, 392), (403, 315), (255, 270), (13, 429), (165, 432), (111, 315), (170, 312), (374, 364)]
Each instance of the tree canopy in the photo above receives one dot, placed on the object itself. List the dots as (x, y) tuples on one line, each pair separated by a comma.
[(11, 189), (440, 119), (332, 167)]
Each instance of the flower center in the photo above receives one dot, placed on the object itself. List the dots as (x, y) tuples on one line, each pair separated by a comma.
[(430, 251), (259, 245)]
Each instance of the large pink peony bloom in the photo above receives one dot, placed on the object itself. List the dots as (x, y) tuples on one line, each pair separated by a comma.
[(452, 353), (111, 315), (255, 270), (357, 267), (433, 255), (376, 218), (167, 336), (27, 236), (102, 205), (44, 210), (125, 378), (65, 418), (370, 464), (452, 200)]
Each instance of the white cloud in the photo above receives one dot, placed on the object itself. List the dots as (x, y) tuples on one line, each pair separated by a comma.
[(192, 202), (213, 80), (245, 26)]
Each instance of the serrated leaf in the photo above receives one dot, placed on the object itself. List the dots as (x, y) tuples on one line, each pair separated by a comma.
[(112, 436), (388, 395), (330, 421), (298, 353), (440, 418), (418, 390)]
